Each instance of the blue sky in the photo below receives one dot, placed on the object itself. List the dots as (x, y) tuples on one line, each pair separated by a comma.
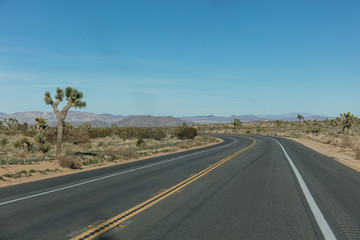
[(183, 58)]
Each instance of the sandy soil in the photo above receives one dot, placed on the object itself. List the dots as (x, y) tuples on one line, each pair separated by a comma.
[(342, 155), (56, 170)]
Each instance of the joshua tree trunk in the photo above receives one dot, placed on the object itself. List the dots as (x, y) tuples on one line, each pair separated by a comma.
[(61, 118), (60, 131)]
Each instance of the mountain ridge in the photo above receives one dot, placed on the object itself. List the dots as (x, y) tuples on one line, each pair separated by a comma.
[(104, 120)]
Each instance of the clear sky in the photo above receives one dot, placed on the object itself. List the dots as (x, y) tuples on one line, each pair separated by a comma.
[(183, 58)]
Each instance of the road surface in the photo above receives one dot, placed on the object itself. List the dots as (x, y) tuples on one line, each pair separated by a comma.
[(249, 190)]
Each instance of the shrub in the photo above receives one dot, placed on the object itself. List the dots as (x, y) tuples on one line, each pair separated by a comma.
[(76, 136), (140, 142), (69, 162), (51, 135), (128, 153), (158, 134), (314, 129), (186, 132), (100, 132), (110, 154), (40, 138), (24, 142), (17, 144), (44, 148), (4, 140), (41, 143)]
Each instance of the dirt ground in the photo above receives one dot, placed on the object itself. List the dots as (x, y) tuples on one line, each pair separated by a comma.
[(343, 155), (48, 169)]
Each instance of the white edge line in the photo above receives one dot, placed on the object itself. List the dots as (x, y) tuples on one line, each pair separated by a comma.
[(112, 175), (319, 217)]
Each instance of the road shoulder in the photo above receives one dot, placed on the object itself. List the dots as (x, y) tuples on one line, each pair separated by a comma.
[(338, 153)]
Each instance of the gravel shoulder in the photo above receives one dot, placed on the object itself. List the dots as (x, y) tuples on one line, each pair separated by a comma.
[(342, 155)]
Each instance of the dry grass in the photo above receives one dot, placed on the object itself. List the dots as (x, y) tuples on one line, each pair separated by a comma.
[(357, 153), (347, 141), (128, 153), (184, 146), (69, 162), (110, 154)]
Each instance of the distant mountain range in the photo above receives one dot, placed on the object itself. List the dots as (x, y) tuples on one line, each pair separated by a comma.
[(249, 118), (104, 120)]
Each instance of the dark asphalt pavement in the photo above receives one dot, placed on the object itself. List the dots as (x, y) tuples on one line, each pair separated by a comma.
[(255, 195)]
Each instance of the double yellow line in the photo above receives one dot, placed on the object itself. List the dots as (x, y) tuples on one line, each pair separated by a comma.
[(111, 223)]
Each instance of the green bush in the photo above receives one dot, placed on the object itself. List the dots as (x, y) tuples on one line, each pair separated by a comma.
[(140, 142), (4, 140), (40, 138), (44, 148), (41, 143), (186, 132), (24, 142), (100, 132)]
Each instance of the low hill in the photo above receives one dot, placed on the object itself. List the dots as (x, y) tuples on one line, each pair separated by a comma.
[(150, 121)]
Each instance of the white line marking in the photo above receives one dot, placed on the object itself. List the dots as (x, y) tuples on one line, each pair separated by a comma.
[(113, 175), (319, 217)]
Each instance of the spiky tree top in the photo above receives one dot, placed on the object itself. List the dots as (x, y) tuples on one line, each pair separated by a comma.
[(40, 123), (73, 97), (348, 120)]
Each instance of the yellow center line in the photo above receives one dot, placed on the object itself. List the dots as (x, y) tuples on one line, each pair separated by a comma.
[(115, 221)]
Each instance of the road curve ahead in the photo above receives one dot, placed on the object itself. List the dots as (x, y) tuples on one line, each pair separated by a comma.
[(234, 190)]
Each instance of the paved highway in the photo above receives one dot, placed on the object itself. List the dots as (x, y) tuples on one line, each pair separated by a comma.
[(243, 188)]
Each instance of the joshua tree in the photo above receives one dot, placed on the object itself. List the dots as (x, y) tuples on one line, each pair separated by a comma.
[(40, 124), (347, 121), (73, 98), (86, 126), (12, 123), (236, 123), (300, 117)]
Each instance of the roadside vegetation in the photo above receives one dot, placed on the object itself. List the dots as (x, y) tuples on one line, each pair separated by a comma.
[(85, 145), (344, 131)]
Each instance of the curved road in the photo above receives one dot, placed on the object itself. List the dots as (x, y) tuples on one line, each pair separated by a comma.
[(254, 194)]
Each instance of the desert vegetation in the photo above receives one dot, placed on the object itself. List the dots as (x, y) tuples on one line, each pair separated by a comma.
[(85, 145), (344, 131)]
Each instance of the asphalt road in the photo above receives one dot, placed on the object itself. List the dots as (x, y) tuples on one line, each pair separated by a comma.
[(254, 195)]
